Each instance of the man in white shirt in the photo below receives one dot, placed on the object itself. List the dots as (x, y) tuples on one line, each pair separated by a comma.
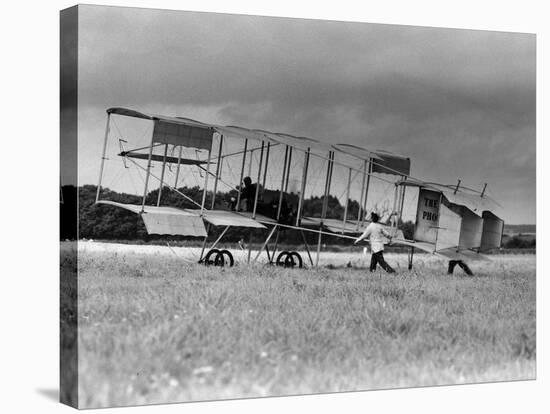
[(376, 233)]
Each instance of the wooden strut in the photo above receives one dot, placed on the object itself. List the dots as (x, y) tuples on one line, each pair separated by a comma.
[(403, 188), (250, 162), (206, 181), (281, 192), (218, 169), (366, 192), (307, 247), (303, 189), (363, 182), (242, 176), (256, 195), (437, 225), (221, 174), (483, 191), (178, 168), (257, 192), (162, 174), (457, 186), (147, 174), (204, 242), (275, 244), (396, 199), (288, 168), (103, 157), (219, 238), (347, 201), (265, 244), (325, 204), (266, 164), (269, 259)]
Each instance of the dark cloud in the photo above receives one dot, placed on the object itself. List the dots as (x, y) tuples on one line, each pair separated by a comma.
[(461, 103)]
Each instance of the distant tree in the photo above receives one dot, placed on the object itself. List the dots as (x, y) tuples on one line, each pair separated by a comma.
[(517, 242), (97, 221)]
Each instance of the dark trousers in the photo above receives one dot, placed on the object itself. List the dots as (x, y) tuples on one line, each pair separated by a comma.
[(378, 258), (463, 266)]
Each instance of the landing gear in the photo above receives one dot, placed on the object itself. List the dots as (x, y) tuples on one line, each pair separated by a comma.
[(217, 257), (289, 259)]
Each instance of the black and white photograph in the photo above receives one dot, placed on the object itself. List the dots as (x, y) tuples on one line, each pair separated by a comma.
[(257, 206)]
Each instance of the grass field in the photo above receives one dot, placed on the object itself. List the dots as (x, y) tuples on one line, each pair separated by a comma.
[(155, 328)]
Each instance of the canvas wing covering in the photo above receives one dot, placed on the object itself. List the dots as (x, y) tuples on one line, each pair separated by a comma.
[(165, 220)]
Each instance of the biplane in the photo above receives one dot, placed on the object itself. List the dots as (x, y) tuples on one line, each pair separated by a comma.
[(278, 182)]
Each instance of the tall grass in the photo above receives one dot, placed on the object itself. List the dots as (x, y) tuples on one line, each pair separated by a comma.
[(154, 329)]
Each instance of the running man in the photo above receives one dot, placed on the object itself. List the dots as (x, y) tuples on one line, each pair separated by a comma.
[(376, 232)]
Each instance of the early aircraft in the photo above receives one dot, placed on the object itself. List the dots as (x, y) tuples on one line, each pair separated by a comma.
[(291, 174)]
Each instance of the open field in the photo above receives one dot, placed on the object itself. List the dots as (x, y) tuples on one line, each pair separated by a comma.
[(154, 327)]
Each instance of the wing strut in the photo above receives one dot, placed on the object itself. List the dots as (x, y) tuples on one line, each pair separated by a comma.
[(257, 192), (103, 157), (242, 175), (363, 182), (218, 168), (304, 179), (347, 201), (307, 247), (281, 193), (178, 168), (364, 210), (147, 174), (162, 173), (265, 244), (206, 181), (325, 204)]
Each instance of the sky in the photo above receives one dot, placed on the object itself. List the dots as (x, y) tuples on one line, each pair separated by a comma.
[(460, 103)]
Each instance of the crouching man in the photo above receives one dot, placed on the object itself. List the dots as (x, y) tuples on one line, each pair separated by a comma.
[(375, 232)]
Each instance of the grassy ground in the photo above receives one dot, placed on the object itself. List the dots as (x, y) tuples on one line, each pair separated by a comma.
[(154, 328)]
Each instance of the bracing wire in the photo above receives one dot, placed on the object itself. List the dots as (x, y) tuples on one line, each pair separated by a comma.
[(170, 187)]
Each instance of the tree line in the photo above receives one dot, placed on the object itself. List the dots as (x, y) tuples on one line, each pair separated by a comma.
[(104, 222)]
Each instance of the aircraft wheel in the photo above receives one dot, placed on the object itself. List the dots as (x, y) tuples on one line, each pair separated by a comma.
[(298, 260), (289, 259), (281, 258), (227, 253), (211, 257), (219, 260)]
